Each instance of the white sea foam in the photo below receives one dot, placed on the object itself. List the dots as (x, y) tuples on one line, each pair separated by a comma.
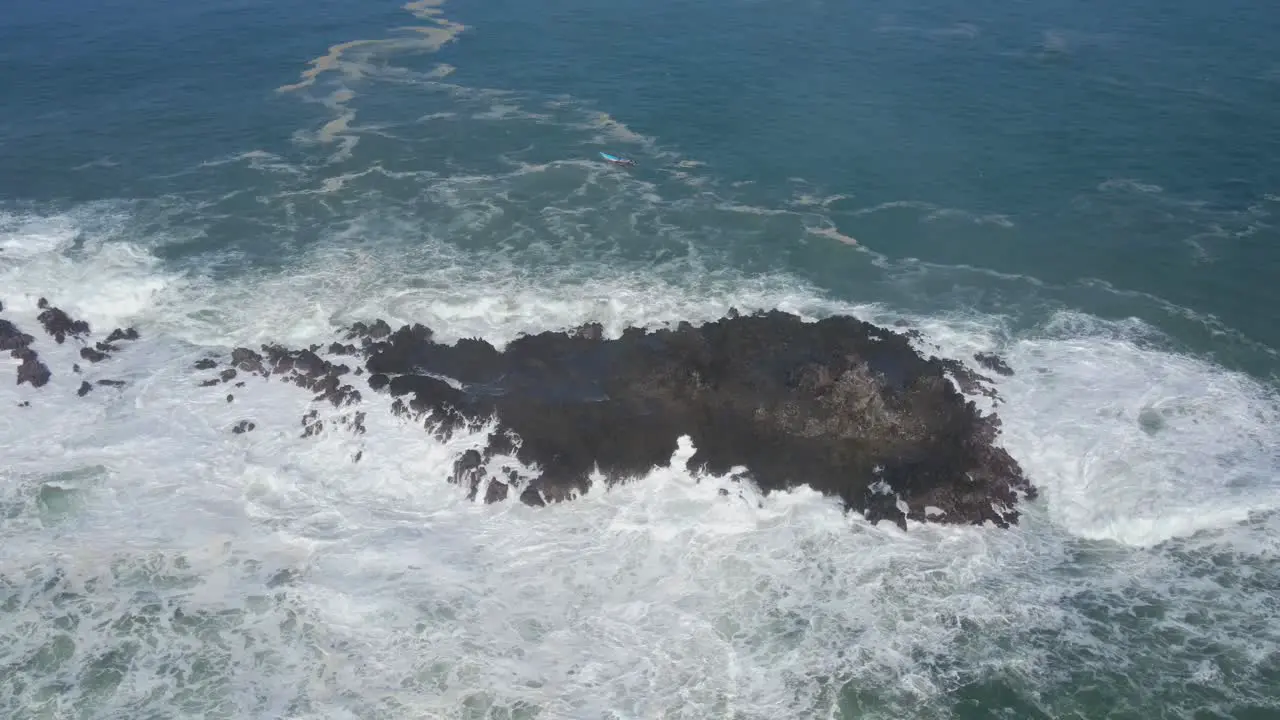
[(144, 541)]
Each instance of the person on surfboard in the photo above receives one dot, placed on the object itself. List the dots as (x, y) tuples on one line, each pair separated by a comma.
[(615, 160)]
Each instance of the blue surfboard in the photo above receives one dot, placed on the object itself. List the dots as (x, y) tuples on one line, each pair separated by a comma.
[(616, 159)]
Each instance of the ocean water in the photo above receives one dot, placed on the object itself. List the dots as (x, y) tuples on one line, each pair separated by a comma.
[(1091, 191)]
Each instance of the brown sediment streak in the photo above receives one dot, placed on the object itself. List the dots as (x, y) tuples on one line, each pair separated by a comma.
[(327, 62), (336, 126), (338, 58), (432, 38)]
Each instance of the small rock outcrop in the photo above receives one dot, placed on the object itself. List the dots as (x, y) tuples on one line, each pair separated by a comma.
[(30, 370), (58, 325)]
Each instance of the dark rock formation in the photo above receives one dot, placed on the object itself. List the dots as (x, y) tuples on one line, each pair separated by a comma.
[(58, 324), (18, 343), (846, 407), (85, 387), (841, 405), (13, 339), (994, 363), (32, 370)]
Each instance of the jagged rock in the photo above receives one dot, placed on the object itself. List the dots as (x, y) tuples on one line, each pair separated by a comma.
[(205, 364), (497, 491), (227, 375), (102, 350), (58, 324), (31, 370), (368, 333), (230, 397), (994, 363), (112, 383), (844, 406), (307, 370), (85, 387), (122, 334), (467, 469), (13, 339), (248, 361), (311, 429), (243, 426), (499, 443), (531, 496)]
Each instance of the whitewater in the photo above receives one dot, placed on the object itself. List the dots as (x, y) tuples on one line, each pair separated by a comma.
[(154, 564)]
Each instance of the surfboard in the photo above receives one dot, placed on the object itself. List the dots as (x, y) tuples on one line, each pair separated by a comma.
[(616, 159)]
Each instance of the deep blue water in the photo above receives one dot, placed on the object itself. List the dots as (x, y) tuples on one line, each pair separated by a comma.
[(1091, 189)]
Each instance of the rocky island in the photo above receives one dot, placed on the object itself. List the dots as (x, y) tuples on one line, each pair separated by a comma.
[(848, 408)]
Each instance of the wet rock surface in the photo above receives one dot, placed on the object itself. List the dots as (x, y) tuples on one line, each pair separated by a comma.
[(60, 326), (994, 363), (11, 338), (30, 370), (843, 406), (848, 408)]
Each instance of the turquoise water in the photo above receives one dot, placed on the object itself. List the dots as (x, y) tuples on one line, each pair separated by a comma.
[(1090, 191)]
